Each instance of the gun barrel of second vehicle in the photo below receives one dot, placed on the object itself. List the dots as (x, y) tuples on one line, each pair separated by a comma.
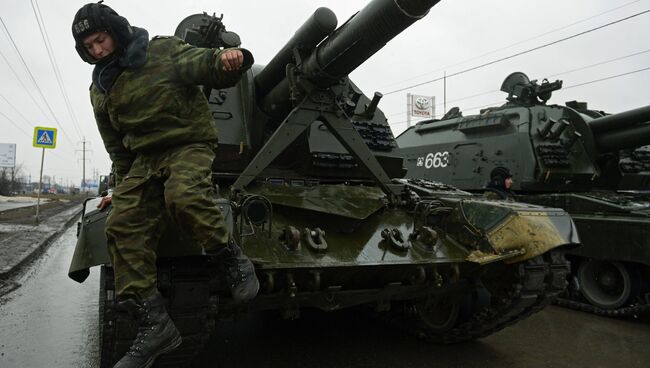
[(620, 120), (628, 129), (615, 140)]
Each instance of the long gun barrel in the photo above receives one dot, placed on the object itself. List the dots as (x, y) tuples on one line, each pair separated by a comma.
[(313, 31), (628, 129), (347, 48), (620, 120), (614, 140)]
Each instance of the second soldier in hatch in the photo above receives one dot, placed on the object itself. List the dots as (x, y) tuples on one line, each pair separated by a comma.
[(157, 128), (500, 185)]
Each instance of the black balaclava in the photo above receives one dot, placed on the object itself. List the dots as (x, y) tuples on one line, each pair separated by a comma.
[(498, 176), (497, 183), (131, 43)]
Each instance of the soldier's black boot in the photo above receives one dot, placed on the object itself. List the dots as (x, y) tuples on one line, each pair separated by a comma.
[(157, 333), (239, 273)]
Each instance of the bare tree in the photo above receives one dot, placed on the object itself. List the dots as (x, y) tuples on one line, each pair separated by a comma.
[(8, 179)]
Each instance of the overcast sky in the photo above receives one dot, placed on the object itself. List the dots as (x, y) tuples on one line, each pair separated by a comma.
[(453, 37)]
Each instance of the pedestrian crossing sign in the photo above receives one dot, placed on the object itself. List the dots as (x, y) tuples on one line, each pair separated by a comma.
[(44, 137)]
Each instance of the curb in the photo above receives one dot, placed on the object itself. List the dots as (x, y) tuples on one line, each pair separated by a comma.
[(9, 271)]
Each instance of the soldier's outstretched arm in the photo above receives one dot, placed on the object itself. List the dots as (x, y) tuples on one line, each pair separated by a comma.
[(211, 67)]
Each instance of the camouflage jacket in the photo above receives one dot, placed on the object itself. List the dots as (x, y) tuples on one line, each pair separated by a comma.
[(491, 193), (161, 104)]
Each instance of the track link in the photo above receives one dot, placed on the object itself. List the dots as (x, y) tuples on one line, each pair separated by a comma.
[(518, 291), (628, 311)]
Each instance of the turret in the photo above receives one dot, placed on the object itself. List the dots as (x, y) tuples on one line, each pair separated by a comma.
[(547, 147), (300, 118)]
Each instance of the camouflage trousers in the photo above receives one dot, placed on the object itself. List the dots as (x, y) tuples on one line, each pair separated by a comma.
[(172, 185)]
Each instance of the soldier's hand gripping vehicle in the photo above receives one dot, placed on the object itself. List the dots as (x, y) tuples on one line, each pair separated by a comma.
[(593, 165), (304, 167)]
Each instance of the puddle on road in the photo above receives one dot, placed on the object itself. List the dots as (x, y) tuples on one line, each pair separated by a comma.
[(50, 320)]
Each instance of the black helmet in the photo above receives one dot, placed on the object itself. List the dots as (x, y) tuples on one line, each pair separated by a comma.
[(499, 174), (97, 17)]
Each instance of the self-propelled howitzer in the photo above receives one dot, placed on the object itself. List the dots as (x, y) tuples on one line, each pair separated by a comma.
[(305, 166), (594, 165)]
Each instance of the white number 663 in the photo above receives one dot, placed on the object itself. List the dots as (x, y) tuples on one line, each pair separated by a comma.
[(435, 160)]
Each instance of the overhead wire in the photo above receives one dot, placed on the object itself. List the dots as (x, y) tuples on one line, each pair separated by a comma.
[(599, 63), (519, 53), (563, 88), (606, 78), (22, 84), (38, 88), (548, 76), (16, 125), (517, 43), (50, 53), (29, 136), (15, 109)]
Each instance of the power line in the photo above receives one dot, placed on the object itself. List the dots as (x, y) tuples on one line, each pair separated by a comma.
[(22, 84), (563, 88), (552, 75), (519, 53), (30, 137), (600, 63), (38, 88), (53, 63), (606, 78), (517, 43), (16, 125), (15, 109)]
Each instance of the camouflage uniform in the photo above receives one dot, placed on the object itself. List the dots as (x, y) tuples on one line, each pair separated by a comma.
[(491, 193), (159, 132)]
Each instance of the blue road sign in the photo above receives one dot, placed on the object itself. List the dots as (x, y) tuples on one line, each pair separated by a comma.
[(44, 137)]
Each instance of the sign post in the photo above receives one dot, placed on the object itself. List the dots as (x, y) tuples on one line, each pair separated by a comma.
[(43, 138)]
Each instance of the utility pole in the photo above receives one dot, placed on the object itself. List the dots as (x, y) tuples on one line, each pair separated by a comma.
[(83, 177), (83, 153), (408, 110), (444, 108)]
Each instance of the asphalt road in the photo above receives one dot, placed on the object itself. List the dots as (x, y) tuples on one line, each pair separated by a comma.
[(51, 321)]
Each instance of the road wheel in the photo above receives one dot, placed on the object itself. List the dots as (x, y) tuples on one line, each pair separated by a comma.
[(439, 314), (605, 284)]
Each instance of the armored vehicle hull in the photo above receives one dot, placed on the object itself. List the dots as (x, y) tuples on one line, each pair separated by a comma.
[(591, 164), (303, 170), (448, 267)]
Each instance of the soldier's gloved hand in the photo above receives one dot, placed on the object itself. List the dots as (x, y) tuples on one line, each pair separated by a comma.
[(232, 60), (106, 201)]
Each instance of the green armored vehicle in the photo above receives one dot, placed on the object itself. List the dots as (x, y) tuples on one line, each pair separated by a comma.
[(305, 171), (593, 165)]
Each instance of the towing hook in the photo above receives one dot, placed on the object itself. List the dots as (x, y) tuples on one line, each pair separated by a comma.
[(315, 239), (395, 239)]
